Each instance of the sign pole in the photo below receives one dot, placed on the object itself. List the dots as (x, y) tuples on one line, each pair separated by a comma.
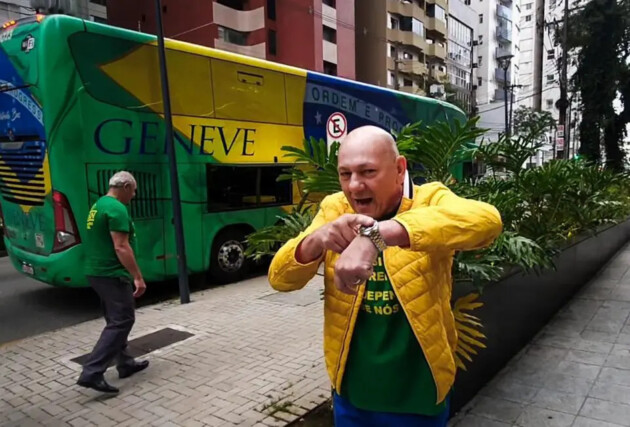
[(184, 291)]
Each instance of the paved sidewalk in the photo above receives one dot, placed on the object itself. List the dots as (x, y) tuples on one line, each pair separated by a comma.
[(576, 372), (255, 359)]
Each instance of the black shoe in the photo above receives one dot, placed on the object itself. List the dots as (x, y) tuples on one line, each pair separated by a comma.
[(98, 385), (129, 370)]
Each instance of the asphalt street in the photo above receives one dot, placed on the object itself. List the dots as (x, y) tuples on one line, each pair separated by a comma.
[(29, 307)]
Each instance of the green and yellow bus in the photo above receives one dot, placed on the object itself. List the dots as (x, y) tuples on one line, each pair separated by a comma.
[(81, 100)]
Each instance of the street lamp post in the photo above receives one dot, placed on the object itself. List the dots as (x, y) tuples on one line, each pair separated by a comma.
[(504, 62), (184, 291)]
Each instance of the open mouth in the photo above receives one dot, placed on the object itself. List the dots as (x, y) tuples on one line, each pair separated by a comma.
[(363, 202)]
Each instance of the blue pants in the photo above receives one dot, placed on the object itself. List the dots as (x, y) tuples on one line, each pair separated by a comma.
[(347, 415)]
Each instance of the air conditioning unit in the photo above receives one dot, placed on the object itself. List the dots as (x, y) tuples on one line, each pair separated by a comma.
[(475, 65)]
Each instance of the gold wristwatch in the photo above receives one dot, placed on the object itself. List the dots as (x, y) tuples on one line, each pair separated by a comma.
[(374, 235)]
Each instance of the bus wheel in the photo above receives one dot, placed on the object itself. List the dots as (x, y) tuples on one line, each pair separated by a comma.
[(229, 263)]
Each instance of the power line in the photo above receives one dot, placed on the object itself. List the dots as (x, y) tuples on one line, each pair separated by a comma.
[(525, 97)]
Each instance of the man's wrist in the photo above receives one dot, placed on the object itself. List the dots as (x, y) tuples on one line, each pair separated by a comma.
[(309, 249), (373, 234), (394, 233)]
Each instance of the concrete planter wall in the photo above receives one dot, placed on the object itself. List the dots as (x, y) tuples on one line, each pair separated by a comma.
[(520, 305)]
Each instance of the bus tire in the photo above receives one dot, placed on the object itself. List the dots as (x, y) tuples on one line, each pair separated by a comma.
[(228, 263)]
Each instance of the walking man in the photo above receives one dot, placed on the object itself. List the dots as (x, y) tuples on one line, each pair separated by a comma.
[(387, 247), (110, 269)]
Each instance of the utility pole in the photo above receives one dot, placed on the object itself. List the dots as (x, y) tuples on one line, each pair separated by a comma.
[(562, 103), (512, 105), (553, 139), (184, 291), (504, 62), (567, 131)]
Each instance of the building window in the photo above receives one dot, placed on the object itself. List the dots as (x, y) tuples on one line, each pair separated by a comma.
[(271, 9), (550, 103), (411, 24), (390, 79), (528, 6), (407, 83), (394, 23), (407, 55), (272, 43), (480, 39), (528, 18), (232, 36), (392, 51), (330, 34), (479, 81), (233, 4), (551, 54), (94, 19), (440, 13), (330, 68), (481, 18), (550, 78), (246, 187), (479, 60), (330, 3)]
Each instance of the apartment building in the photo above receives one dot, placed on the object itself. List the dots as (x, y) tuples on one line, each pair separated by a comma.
[(313, 34), (401, 44), (461, 46), (14, 9), (498, 59)]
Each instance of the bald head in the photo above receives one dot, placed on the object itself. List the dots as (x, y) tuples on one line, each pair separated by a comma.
[(371, 171), (372, 136)]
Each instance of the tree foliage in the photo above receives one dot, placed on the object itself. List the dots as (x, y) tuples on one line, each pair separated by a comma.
[(599, 35)]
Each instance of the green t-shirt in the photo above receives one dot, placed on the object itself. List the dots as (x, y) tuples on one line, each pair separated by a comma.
[(107, 215), (386, 369)]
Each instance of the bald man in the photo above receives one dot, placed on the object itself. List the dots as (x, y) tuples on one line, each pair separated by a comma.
[(387, 247)]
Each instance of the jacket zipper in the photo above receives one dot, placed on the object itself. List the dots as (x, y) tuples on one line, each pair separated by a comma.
[(391, 280), (343, 342)]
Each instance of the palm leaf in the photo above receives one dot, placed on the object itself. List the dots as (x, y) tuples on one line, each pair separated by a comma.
[(467, 335)]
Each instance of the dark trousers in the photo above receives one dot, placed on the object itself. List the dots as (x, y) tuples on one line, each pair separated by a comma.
[(119, 309)]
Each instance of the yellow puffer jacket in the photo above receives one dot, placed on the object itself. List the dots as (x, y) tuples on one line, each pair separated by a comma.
[(439, 223)]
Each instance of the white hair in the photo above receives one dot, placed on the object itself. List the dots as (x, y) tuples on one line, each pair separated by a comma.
[(122, 178)]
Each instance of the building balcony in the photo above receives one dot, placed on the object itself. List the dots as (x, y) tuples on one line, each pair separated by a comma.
[(439, 75), (499, 75), (257, 51), (408, 66), (504, 12), (434, 24), (502, 52), (437, 51), (406, 9), (413, 90), (504, 33), (330, 52), (239, 20), (329, 16), (408, 38), (442, 3)]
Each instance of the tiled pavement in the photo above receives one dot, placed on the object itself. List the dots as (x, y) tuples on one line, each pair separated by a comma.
[(576, 372), (256, 359)]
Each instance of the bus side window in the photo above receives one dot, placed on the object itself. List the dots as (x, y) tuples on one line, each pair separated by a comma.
[(246, 187)]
